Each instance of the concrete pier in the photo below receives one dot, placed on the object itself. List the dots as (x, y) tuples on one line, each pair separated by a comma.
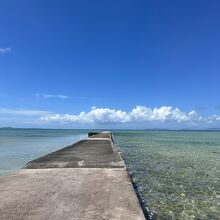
[(85, 181)]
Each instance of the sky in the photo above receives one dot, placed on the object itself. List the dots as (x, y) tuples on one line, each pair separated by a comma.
[(110, 64)]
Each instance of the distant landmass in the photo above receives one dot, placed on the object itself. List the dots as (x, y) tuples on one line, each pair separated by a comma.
[(185, 129), (7, 128), (147, 129)]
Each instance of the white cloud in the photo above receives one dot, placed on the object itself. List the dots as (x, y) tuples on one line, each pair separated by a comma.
[(5, 50), (47, 96), (138, 117), (163, 113), (96, 115), (139, 114), (23, 112)]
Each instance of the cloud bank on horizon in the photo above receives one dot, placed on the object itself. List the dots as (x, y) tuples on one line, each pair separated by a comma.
[(22, 112), (140, 117), (139, 114)]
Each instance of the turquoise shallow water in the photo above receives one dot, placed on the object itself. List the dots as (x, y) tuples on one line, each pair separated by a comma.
[(178, 172), (18, 146)]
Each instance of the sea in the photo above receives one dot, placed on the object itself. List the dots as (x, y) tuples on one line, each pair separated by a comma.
[(177, 172)]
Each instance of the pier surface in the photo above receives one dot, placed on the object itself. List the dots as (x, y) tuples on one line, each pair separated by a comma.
[(85, 181)]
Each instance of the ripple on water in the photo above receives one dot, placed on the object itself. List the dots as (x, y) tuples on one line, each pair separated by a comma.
[(178, 171)]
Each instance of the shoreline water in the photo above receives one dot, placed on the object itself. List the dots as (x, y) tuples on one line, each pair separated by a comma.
[(176, 171)]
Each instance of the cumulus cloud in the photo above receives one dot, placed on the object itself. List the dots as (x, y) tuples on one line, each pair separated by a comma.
[(47, 96), (139, 114), (5, 50), (138, 117)]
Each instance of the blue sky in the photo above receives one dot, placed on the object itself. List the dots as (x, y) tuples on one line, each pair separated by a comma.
[(131, 64)]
